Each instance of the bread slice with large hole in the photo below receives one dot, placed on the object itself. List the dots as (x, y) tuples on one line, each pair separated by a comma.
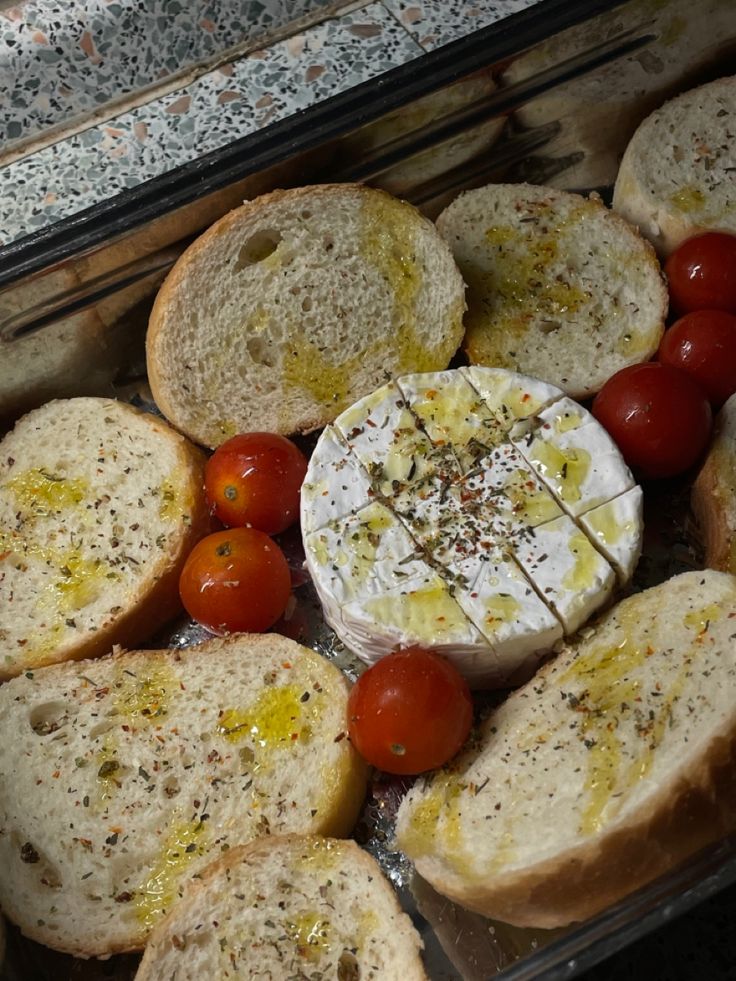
[(714, 493), (100, 505), (298, 303), (613, 764), (121, 778), (287, 907), (676, 177), (559, 287)]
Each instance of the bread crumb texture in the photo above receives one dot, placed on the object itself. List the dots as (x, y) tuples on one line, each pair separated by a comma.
[(615, 732), (129, 773), (293, 306), (559, 287), (288, 907), (676, 175), (98, 502)]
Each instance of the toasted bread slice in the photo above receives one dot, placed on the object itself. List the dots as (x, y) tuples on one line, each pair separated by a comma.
[(559, 287), (99, 506), (676, 176), (714, 493), (614, 763), (296, 304), (121, 778), (287, 907)]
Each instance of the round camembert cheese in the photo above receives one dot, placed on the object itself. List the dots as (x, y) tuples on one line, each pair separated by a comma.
[(476, 512)]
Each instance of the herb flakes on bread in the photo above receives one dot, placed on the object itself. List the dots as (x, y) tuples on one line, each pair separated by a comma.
[(616, 762), (287, 907), (676, 177), (293, 306), (99, 506), (121, 778), (714, 493), (559, 287)]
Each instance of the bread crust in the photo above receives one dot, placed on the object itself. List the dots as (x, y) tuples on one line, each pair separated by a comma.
[(347, 784), (697, 809), (661, 220), (156, 600), (713, 494), (167, 396), (363, 864)]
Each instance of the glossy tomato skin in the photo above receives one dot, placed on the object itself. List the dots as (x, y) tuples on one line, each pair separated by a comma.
[(409, 712), (703, 344), (702, 273), (657, 415), (236, 580), (254, 479)]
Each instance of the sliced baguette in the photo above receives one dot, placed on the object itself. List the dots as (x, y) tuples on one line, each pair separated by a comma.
[(617, 761), (100, 505), (559, 287), (676, 177), (295, 305), (123, 777), (287, 907), (714, 493)]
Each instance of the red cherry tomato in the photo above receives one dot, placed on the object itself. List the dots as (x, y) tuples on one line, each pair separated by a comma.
[(235, 580), (410, 712), (658, 416), (254, 479), (702, 273), (703, 344)]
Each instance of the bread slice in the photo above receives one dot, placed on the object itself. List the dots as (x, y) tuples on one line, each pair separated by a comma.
[(100, 505), (559, 287), (295, 305), (714, 493), (615, 762), (287, 907), (121, 778), (676, 176)]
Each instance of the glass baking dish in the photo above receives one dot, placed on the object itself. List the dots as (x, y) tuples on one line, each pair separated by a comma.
[(550, 95)]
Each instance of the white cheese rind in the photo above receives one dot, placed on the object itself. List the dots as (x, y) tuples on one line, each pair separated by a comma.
[(613, 527), (335, 485), (574, 456), (439, 518), (568, 572)]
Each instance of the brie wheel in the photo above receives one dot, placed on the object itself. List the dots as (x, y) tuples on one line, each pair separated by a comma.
[(478, 513)]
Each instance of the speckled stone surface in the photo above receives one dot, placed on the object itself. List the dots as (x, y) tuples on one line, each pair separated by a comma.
[(433, 23), (61, 58), (228, 103)]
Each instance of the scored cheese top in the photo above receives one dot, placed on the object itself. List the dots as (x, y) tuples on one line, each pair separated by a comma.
[(475, 511)]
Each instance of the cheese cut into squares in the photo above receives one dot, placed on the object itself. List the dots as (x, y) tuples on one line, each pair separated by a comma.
[(420, 611), (361, 555), (574, 455), (612, 526), (510, 396), (568, 572), (383, 434), (335, 485), (440, 518), (452, 413), (508, 612)]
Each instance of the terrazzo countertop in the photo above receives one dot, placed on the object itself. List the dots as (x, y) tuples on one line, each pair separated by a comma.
[(68, 143)]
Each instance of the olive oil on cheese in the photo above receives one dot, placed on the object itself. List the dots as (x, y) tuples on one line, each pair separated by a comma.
[(530, 502), (566, 469), (605, 525), (586, 561), (427, 613), (500, 609)]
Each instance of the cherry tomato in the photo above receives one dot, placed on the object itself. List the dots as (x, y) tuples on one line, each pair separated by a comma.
[(703, 344), (702, 273), (658, 416), (235, 580), (254, 479), (410, 712)]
